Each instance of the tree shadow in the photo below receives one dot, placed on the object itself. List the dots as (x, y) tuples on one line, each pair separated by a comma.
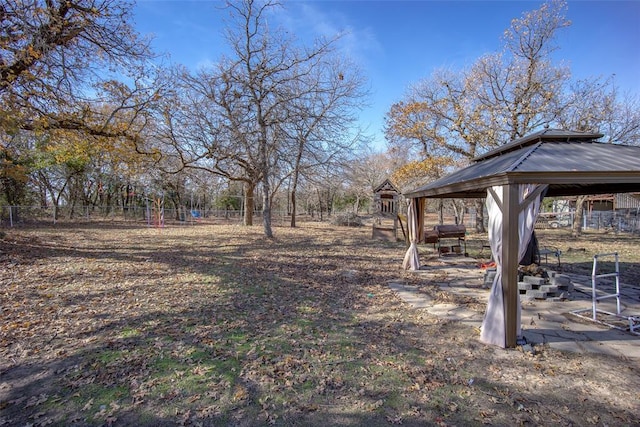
[(289, 332)]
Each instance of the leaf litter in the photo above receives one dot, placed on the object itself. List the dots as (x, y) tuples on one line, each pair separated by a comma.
[(111, 324)]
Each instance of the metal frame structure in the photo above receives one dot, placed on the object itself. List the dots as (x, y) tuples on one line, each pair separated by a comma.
[(600, 295), (567, 163)]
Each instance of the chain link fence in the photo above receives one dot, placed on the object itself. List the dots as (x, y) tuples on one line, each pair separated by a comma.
[(611, 220), (619, 221), (17, 216)]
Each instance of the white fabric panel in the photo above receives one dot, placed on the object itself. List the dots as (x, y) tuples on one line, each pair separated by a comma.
[(526, 221), (411, 258), (493, 326)]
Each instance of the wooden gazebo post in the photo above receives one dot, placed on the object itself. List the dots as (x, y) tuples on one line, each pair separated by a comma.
[(510, 242)]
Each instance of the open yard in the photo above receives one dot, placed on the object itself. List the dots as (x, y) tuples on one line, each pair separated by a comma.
[(213, 324)]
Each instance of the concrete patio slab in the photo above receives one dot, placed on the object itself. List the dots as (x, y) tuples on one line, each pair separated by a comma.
[(543, 322)]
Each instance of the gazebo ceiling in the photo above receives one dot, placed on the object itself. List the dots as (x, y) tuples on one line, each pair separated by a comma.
[(571, 163)]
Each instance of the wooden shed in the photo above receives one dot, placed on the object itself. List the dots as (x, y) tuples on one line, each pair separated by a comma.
[(386, 201)]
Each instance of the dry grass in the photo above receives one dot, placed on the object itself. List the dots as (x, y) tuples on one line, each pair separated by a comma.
[(114, 324)]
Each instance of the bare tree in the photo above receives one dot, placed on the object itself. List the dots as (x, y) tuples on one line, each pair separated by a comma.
[(595, 105), (199, 127), (322, 112), (264, 111), (501, 97), (522, 83)]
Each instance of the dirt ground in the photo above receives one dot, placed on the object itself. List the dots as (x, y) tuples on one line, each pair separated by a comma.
[(213, 324)]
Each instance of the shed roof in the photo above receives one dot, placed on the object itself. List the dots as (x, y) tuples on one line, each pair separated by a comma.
[(572, 163), (386, 185)]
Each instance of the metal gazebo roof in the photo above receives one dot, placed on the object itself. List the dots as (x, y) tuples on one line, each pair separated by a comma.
[(572, 163)]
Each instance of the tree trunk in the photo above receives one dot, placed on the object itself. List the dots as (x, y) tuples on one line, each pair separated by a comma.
[(576, 227), (74, 182), (480, 216), (56, 201), (248, 203), (107, 201), (458, 212), (176, 201), (266, 209), (320, 202), (294, 186)]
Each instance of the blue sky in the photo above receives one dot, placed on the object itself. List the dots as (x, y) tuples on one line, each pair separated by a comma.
[(398, 43)]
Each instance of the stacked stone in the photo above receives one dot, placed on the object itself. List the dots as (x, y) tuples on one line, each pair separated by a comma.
[(489, 275), (555, 287)]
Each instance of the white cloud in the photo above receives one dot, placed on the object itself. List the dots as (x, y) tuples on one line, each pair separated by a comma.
[(309, 21)]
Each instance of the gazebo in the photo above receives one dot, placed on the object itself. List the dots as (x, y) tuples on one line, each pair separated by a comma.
[(514, 178)]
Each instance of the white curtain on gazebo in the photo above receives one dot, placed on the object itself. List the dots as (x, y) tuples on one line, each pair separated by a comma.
[(493, 326), (411, 258)]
